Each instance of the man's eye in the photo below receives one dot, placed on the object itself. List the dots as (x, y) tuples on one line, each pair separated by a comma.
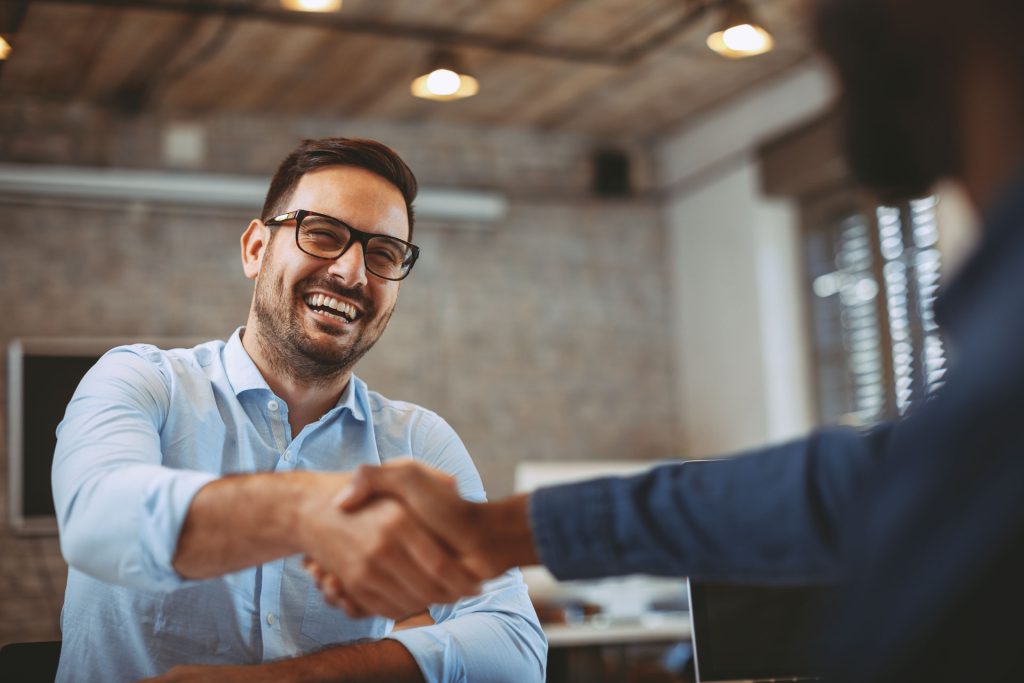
[(385, 255), (323, 235)]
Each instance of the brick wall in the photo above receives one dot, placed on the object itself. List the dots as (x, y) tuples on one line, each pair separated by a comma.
[(544, 336)]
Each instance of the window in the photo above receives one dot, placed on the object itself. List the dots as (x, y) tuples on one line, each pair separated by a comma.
[(873, 273)]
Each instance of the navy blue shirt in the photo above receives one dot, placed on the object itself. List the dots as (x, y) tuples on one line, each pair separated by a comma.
[(921, 521)]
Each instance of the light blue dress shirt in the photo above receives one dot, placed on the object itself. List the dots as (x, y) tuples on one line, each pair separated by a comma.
[(145, 430)]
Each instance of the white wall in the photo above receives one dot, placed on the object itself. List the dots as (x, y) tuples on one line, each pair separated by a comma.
[(740, 347), (959, 227)]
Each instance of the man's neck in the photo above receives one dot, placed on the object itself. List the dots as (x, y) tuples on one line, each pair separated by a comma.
[(307, 401)]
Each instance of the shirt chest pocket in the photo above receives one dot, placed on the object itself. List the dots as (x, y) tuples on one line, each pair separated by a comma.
[(329, 625)]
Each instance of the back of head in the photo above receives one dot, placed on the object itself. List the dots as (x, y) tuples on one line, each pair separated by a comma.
[(311, 155)]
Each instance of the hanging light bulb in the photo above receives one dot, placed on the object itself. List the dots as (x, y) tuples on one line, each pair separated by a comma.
[(740, 34), (5, 48), (444, 79), (312, 5)]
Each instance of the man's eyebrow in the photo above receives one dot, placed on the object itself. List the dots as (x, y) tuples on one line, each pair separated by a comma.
[(349, 225)]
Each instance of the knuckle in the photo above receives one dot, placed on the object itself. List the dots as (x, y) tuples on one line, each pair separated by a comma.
[(361, 578), (438, 565), (377, 547)]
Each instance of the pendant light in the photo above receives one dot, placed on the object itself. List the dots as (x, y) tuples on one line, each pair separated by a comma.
[(740, 34), (312, 5), (444, 79)]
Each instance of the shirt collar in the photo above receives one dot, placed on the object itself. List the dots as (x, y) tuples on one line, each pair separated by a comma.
[(241, 371), (354, 398), (244, 376)]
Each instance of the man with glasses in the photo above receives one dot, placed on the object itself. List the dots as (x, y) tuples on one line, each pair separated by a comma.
[(191, 483)]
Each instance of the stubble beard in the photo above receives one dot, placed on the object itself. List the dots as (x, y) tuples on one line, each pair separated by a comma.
[(288, 348)]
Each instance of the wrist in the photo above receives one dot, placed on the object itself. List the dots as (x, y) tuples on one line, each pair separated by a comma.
[(506, 537), (311, 506)]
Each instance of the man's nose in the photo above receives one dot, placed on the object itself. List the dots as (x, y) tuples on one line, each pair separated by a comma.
[(350, 267)]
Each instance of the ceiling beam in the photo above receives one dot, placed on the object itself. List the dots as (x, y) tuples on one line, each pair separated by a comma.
[(216, 190), (693, 10)]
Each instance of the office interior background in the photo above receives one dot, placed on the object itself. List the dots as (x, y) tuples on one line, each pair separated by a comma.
[(633, 248)]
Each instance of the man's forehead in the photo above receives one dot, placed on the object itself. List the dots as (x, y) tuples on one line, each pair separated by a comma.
[(354, 195)]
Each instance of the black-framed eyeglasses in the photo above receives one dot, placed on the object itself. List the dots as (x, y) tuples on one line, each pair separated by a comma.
[(326, 237)]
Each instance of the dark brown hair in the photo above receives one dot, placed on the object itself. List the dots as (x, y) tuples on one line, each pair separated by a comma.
[(311, 155)]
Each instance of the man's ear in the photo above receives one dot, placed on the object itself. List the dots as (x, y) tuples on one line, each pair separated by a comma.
[(255, 241)]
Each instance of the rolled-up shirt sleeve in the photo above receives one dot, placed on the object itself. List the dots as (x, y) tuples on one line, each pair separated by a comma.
[(494, 636), (119, 509)]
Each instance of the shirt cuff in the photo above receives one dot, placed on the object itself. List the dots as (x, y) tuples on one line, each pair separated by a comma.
[(165, 506), (573, 528), (434, 652)]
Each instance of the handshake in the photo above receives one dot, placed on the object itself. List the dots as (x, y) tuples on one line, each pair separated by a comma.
[(409, 540)]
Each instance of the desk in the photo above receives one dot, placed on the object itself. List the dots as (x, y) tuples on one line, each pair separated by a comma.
[(599, 650), (670, 627)]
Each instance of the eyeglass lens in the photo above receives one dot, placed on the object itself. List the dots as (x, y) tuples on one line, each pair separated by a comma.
[(326, 238)]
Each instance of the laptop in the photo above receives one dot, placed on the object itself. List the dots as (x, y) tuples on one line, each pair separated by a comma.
[(757, 633)]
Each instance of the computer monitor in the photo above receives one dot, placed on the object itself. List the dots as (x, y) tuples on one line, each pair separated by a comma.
[(758, 633)]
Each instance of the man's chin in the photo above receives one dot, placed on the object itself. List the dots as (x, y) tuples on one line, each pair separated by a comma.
[(887, 185), (893, 161)]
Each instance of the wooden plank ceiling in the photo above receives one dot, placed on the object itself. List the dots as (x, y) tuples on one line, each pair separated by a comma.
[(624, 68)]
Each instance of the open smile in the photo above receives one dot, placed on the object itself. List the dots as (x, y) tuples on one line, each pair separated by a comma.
[(330, 307)]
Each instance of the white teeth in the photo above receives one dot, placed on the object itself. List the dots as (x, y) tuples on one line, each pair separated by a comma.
[(346, 309)]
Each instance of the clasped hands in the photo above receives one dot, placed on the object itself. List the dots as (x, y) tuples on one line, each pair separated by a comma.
[(403, 539)]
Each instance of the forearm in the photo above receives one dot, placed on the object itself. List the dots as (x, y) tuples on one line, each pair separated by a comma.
[(770, 515), (382, 661), (241, 521)]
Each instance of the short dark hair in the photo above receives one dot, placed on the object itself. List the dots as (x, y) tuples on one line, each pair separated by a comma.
[(311, 155)]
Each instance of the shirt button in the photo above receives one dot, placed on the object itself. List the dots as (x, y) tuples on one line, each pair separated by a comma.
[(270, 618), (287, 456), (272, 405)]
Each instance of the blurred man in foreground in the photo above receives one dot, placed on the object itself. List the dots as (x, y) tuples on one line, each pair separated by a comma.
[(921, 520)]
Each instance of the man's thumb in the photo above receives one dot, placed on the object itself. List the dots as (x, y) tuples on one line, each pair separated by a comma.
[(357, 492)]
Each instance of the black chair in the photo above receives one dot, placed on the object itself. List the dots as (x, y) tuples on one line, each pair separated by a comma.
[(30, 662)]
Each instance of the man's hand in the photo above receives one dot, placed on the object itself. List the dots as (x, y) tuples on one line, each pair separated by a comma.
[(380, 552), (382, 558), (487, 538), (433, 497)]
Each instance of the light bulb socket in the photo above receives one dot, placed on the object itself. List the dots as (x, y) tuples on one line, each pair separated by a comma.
[(737, 12)]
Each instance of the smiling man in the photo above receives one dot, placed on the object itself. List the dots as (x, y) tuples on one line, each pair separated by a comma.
[(190, 483)]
